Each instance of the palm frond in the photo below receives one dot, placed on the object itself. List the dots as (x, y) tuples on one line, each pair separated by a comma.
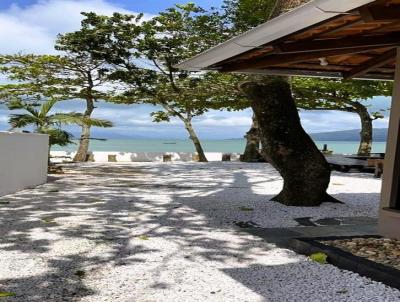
[(67, 118), (57, 136), (15, 105), (47, 106), (98, 122), (22, 120), (79, 119)]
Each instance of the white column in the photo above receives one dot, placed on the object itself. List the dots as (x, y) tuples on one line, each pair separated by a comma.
[(389, 219)]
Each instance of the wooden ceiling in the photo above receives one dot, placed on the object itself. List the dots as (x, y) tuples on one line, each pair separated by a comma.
[(358, 44)]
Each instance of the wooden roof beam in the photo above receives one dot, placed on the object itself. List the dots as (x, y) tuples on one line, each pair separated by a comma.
[(340, 28), (313, 73), (367, 41), (277, 59), (380, 13), (381, 60)]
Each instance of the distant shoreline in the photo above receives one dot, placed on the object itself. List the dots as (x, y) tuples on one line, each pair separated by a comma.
[(181, 145)]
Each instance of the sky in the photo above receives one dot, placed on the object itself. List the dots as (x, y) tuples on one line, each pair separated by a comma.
[(30, 26)]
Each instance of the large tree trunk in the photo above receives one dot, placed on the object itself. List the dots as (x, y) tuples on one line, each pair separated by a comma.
[(286, 145), (83, 148), (252, 150), (196, 142), (366, 131)]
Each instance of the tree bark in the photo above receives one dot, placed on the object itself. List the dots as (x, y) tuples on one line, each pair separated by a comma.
[(252, 150), (286, 145), (83, 148), (196, 142), (366, 130)]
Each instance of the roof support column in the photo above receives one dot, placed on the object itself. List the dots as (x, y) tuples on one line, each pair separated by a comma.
[(389, 214)]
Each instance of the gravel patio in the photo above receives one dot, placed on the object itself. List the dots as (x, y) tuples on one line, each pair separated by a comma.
[(148, 232)]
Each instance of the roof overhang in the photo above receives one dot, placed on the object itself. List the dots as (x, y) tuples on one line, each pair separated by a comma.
[(328, 38)]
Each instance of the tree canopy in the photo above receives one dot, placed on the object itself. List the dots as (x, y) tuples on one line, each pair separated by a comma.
[(143, 55), (347, 96)]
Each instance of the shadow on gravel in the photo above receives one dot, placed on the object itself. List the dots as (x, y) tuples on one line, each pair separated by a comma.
[(105, 208)]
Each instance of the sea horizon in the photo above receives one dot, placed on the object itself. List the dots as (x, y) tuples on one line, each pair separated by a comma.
[(233, 145)]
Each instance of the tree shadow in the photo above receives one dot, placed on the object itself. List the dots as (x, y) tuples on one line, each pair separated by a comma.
[(57, 238)]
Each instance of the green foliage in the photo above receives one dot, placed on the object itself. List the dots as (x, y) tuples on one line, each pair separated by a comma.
[(57, 136), (35, 77), (332, 94), (143, 53), (39, 82), (7, 294), (319, 257), (243, 15), (38, 115), (160, 116)]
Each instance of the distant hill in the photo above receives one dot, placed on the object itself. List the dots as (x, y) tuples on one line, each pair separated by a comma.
[(379, 135)]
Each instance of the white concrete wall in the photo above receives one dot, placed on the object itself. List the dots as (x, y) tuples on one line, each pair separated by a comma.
[(141, 156), (23, 161)]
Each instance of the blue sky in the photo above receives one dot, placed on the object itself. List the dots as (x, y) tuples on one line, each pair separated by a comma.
[(148, 6), (30, 26)]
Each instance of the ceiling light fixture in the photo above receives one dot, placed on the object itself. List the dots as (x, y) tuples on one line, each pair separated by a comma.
[(323, 61)]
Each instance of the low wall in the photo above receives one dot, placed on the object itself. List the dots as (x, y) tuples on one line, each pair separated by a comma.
[(23, 161), (59, 156)]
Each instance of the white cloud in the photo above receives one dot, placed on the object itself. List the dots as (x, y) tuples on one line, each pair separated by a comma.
[(225, 121), (324, 121), (381, 123), (33, 29)]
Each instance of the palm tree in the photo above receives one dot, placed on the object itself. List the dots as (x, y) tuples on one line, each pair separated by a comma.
[(38, 115)]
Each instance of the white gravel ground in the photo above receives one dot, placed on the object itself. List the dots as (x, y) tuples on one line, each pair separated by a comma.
[(149, 232)]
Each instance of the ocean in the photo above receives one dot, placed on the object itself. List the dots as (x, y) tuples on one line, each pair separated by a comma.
[(225, 146)]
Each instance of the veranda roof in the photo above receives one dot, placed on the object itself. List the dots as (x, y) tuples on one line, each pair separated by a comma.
[(324, 38)]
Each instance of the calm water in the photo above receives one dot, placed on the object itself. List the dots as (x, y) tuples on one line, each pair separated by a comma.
[(233, 145)]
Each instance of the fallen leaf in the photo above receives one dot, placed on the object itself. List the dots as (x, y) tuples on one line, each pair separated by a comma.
[(143, 237), (7, 294), (319, 257), (246, 209), (48, 220), (80, 273)]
